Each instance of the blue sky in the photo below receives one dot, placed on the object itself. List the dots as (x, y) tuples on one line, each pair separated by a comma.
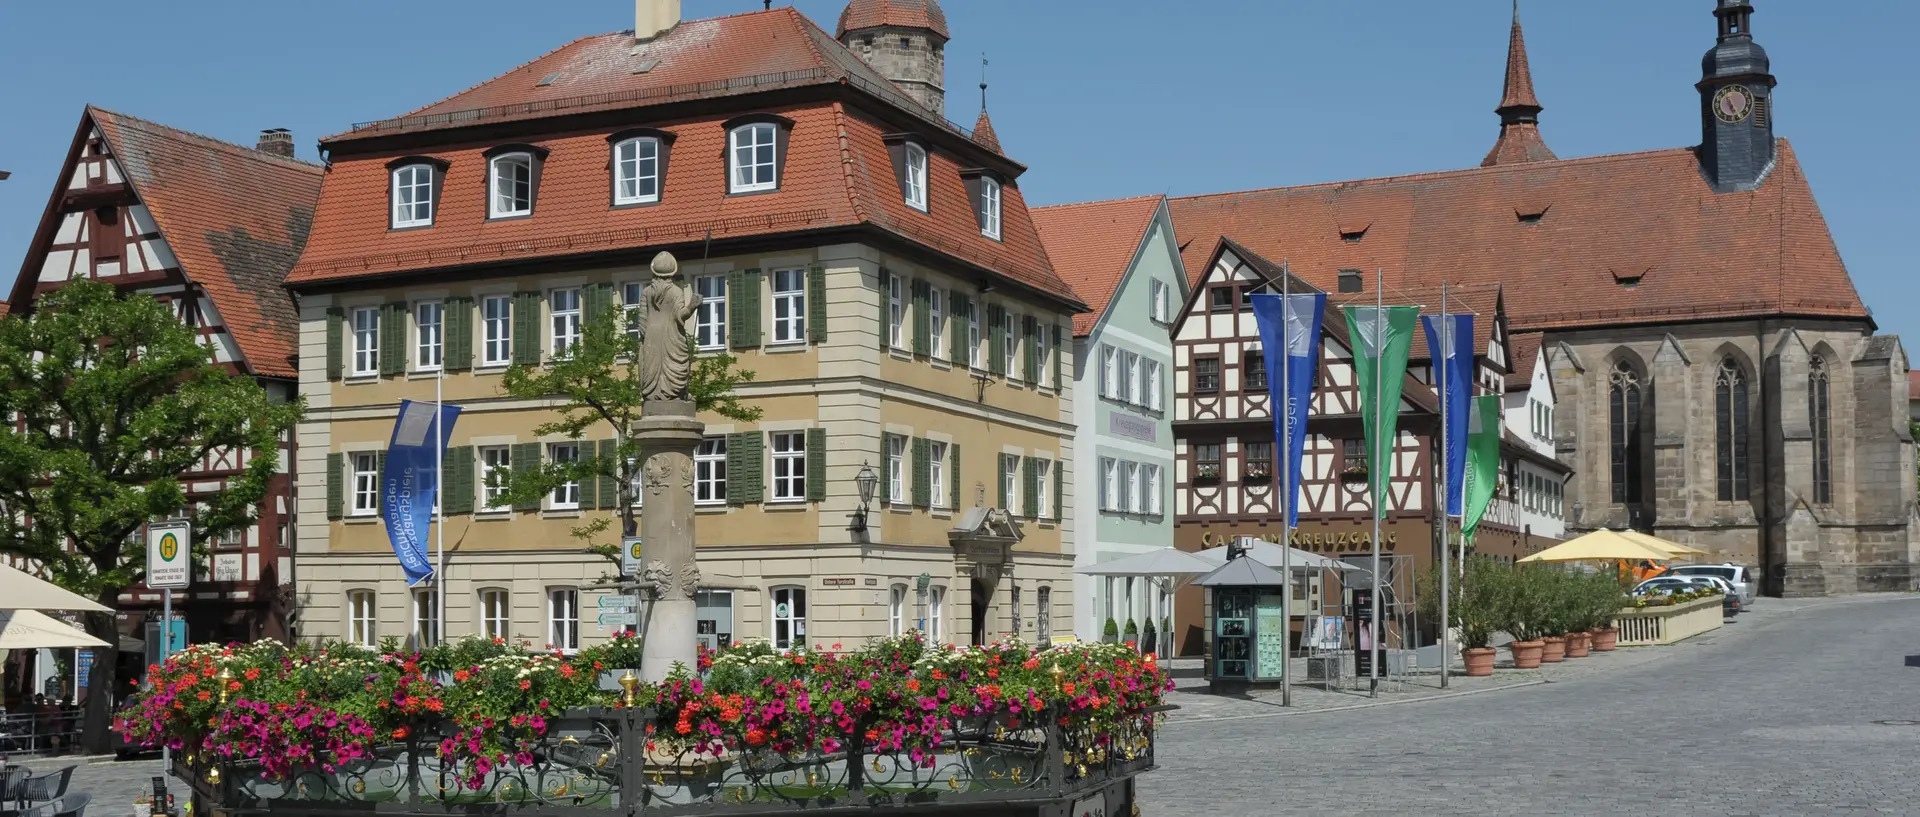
[(1101, 98)]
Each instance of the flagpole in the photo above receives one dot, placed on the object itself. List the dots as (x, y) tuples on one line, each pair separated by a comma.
[(1381, 470), (1440, 370), (439, 496), (1286, 484)]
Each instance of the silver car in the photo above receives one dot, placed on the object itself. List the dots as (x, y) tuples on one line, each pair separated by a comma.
[(1739, 577)]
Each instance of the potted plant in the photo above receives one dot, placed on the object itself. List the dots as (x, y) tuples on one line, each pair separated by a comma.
[(1473, 608), (1353, 474), (1166, 634), (1208, 474), (1609, 598), (1149, 639), (1131, 635), (1257, 474), (1521, 615), (1556, 608), (1111, 634)]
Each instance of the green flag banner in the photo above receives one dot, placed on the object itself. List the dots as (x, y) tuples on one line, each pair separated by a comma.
[(1483, 461), (1382, 337)]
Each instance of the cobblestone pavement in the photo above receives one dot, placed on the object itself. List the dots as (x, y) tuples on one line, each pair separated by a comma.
[(1773, 714)]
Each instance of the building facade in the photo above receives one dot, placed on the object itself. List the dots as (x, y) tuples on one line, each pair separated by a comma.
[(1120, 256), (1530, 475), (901, 321)]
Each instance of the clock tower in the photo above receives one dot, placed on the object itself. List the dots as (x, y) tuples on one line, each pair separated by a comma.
[(1736, 104)]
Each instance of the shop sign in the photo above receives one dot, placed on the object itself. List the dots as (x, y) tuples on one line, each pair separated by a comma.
[(838, 581), (1319, 541), (1126, 425)]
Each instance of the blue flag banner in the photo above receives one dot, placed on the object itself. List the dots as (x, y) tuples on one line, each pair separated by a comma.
[(1290, 329), (1451, 346), (412, 480)]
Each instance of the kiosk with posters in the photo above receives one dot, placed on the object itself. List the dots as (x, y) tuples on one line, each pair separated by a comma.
[(1247, 624)]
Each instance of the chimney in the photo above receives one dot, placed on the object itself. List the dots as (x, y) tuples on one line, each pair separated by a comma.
[(277, 141), (652, 18)]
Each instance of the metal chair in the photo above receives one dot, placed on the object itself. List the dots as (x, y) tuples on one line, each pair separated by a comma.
[(46, 787), (73, 805), (11, 780)]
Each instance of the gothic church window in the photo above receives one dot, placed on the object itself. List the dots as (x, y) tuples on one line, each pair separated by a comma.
[(1819, 416), (1624, 410), (1730, 430)]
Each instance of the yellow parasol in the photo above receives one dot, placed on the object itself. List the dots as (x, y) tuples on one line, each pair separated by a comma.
[(1658, 543), (1600, 545)]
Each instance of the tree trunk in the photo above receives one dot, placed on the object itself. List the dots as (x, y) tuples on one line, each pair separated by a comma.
[(95, 736)]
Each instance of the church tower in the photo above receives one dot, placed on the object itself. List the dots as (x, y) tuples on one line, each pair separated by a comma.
[(1736, 104), (905, 40), (1519, 110)]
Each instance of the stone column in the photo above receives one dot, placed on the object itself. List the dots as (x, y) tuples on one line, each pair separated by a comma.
[(1674, 414), (667, 434)]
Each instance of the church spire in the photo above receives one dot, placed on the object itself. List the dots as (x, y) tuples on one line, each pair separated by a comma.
[(1519, 110)]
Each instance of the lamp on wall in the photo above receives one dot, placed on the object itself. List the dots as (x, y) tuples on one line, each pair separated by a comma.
[(866, 482)]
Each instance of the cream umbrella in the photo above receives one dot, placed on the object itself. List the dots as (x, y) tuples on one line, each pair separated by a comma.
[(1600, 545), (20, 590), (1658, 543), (33, 630)]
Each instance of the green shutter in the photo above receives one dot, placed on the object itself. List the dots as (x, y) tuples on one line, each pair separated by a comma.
[(1030, 487), (953, 474), (610, 481), (457, 496), (743, 308), (817, 303), (526, 328), (336, 485), (922, 321), (393, 338), (1059, 353), (816, 464), (886, 302), (336, 343), (521, 459), (996, 343), (380, 470), (745, 478), (1059, 483), (922, 474), (457, 325), (1000, 472), (1030, 330), (595, 301), (957, 330), (886, 482)]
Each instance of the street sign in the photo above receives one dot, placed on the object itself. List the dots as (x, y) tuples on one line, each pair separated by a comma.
[(169, 555), (630, 556), (618, 602), (614, 618)]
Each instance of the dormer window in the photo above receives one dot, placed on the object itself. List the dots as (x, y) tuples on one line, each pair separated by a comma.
[(513, 179), (916, 177), (636, 171), (754, 165), (990, 208), (414, 190)]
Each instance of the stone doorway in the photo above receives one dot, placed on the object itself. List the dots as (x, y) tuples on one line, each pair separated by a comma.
[(980, 602)]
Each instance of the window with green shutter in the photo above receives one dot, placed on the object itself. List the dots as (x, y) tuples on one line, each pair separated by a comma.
[(922, 474), (524, 458), (1059, 353), (1030, 330), (336, 343), (953, 475), (459, 330), (957, 332), (596, 299), (886, 479), (1059, 485), (922, 321), (393, 338), (743, 309), (746, 480), (380, 467), (1000, 470), (1029, 487), (816, 464), (526, 328), (996, 342), (817, 303), (457, 496), (885, 328), (336, 485), (609, 491)]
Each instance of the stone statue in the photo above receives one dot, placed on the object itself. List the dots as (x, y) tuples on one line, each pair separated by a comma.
[(666, 361)]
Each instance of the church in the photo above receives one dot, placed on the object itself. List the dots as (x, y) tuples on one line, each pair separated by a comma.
[(1718, 378)]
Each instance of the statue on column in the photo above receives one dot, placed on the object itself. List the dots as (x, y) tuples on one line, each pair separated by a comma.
[(666, 359)]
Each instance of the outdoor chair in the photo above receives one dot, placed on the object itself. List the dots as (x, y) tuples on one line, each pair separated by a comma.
[(46, 787), (73, 805), (11, 781)]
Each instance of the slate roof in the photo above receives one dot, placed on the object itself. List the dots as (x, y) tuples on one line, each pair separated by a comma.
[(1092, 245), (861, 14)]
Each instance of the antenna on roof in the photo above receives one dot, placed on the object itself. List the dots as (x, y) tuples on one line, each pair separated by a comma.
[(983, 80)]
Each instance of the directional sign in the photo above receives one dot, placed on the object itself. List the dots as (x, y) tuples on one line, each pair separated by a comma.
[(618, 602), (613, 618), (630, 556), (169, 555)]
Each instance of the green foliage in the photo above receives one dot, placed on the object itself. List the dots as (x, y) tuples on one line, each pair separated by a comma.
[(1477, 604), (1112, 629), (1524, 609), (1149, 638), (1132, 628)]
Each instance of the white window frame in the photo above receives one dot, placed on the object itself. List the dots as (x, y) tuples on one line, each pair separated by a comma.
[(897, 469), (1042, 351), (1135, 394), (990, 207), (363, 618), (1109, 372), (631, 293), (936, 614), (635, 162), (506, 203), (937, 321), (915, 191), (795, 597), (366, 341), (1010, 465), (1109, 484), (1130, 474), (896, 312), (1151, 476), (710, 322), (496, 330), (496, 613), (412, 196), (426, 618), (897, 610), (429, 336), (1043, 485), (789, 452), (789, 306), (566, 495), (563, 619), (937, 473), (1010, 344), (492, 497), (565, 312), (1043, 617), (710, 472), (1157, 292), (744, 158), (1152, 383), (973, 336), (364, 479)]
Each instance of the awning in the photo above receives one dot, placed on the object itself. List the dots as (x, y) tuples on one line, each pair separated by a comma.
[(1242, 572), (1600, 545), (32, 630), (1162, 562), (1269, 554), (22, 591)]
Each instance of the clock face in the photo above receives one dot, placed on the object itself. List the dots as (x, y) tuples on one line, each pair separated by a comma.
[(1733, 103)]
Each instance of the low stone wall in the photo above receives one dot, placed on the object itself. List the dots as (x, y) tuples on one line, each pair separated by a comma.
[(1648, 626)]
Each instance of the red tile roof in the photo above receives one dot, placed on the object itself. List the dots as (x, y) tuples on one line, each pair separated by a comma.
[(1091, 246), (235, 218), (1913, 385), (1631, 238), (861, 14), (1518, 92), (1481, 300), (1519, 110), (1523, 350), (983, 134)]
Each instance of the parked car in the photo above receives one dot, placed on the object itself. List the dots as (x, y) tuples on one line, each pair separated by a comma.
[(1733, 604), (1742, 579), (1661, 586)]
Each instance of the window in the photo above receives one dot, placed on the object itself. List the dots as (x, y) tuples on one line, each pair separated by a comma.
[(1109, 372), (973, 335), (1206, 375), (1350, 280), (1246, 294), (1135, 393), (366, 341), (1819, 416), (511, 178), (1730, 430), (1009, 343), (1042, 355), (897, 610), (1150, 474), (1043, 618), (710, 471), (636, 171), (413, 196), (1220, 299), (1130, 474), (1109, 484), (710, 323), (789, 306), (496, 328), (937, 473), (565, 306), (366, 484), (429, 338), (1623, 408), (1253, 371), (362, 618), (754, 167), (566, 495), (789, 618), (1153, 385), (1160, 300), (990, 208), (495, 612), (1257, 461), (631, 294), (896, 313), (789, 466), (1043, 487), (937, 322), (1010, 477), (1206, 461), (936, 615), (916, 177), (896, 469), (563, 619), (494, 473), (426, 618)]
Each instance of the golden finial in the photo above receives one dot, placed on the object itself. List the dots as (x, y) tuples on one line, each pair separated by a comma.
[(605, 758), (629, 682), (359, 787), (953, 783), (1016, 774), (213, 775), (226, 680)]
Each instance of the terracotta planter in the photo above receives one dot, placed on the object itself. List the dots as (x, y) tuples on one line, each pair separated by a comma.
[(1605, 639), (1578, 644), (1556, 649), (1526, 654), (1479, 661)]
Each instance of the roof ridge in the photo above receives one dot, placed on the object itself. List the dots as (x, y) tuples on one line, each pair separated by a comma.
[(1099, 202), (813, 46), (241, 150), (847, 171), (550, 52), (1525, 167)]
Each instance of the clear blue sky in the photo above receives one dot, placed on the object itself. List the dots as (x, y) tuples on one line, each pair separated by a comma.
[(1101, 98)]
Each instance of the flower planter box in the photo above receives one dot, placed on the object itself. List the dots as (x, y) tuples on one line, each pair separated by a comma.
[(1648, 626)]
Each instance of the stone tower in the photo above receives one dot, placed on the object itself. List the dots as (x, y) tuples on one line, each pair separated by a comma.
[(1736, 104), (905, 40)]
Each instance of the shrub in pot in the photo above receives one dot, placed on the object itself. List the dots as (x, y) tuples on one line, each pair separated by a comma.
[(1560, 604), (1149, 638), (1522, 614), (1609, 598), (1474, 608), (1132, 634), (1111, 634)]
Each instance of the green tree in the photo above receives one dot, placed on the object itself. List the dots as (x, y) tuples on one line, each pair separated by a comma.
[(113, 398), (599, 386)]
